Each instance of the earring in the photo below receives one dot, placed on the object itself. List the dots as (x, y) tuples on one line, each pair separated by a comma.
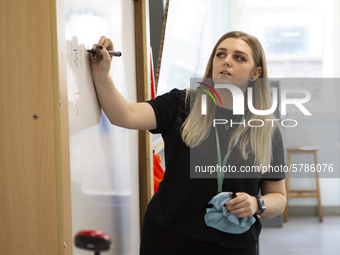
[(252, 79)]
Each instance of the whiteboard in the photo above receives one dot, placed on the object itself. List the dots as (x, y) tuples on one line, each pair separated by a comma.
[(103, 157)]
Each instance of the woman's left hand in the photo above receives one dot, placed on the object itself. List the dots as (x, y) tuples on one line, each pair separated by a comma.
[(243, 205)]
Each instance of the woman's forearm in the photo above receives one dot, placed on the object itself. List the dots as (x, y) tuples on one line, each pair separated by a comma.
[(119, 111), (275, 204), (113, 103)]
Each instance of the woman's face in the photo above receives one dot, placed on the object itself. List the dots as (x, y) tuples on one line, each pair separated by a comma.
[(233, 63)]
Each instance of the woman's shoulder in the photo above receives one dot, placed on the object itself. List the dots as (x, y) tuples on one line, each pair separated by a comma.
[(183, 93), (183, 96)]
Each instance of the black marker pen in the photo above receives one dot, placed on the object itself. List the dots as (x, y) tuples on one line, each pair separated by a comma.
[(112, 53)]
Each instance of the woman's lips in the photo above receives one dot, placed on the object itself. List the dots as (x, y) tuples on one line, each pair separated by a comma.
[(225, 73)]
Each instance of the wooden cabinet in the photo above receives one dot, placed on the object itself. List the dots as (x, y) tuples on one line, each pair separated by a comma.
[(35, 206)]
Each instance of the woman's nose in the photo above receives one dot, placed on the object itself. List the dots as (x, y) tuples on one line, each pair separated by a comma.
[(227, 61)]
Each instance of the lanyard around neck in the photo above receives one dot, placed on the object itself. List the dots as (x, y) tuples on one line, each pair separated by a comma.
[(220, 173)]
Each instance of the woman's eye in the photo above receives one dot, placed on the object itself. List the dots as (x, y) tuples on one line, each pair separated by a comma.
[(239, 58), (220, 54)]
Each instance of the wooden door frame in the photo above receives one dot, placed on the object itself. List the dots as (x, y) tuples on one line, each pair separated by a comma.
[(142, 86)]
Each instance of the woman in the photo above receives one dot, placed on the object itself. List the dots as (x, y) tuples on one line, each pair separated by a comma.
[(175, 222)]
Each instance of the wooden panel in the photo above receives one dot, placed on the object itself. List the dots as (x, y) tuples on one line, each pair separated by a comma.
[(30, 151), (145, 174), (61, 125)]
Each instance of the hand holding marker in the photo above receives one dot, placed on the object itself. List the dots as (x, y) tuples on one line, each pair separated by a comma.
[(111, 53)]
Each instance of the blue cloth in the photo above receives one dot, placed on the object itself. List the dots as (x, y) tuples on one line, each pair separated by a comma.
[(219, 218)]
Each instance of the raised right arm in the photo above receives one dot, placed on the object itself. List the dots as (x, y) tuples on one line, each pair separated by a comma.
[(120, 112)]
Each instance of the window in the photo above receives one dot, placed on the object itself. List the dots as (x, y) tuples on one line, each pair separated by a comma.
[(297, 35)]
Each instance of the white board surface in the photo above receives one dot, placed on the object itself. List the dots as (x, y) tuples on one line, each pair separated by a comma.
[(103, 157)]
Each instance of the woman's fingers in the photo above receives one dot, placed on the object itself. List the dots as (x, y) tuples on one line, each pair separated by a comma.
[(240, 205), (102, 40), (108, 44), (93, 56), (105, 54), (104, 45)]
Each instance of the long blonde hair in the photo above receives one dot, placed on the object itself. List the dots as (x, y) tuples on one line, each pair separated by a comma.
[(255, 140)]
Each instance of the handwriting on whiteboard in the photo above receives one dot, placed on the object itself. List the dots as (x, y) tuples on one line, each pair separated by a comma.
[(84, 109)]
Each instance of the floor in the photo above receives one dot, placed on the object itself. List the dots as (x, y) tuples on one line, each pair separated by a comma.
[(302, 235)]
